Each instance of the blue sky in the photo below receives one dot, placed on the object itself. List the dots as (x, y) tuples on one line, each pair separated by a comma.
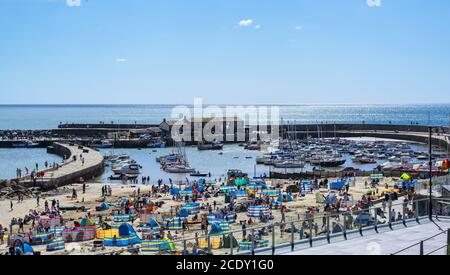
[(170, 51)]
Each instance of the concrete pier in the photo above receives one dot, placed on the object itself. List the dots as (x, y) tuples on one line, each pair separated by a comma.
[(71, 170)]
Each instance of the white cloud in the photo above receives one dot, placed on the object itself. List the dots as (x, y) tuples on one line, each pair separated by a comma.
[(257, 27), (246, 22), (121, 60), (73, 3), (374, 3)]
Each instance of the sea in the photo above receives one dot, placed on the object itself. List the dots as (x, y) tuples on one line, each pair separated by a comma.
[(42, 117), (35, 117)]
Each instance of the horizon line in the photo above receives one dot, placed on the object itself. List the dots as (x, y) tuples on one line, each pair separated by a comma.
[(218, 104)]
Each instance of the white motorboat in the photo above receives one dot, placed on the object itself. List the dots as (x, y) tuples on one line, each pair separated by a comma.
[(128, 169), (179, 169)]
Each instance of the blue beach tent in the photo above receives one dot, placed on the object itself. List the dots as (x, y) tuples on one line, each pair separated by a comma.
[(174, 191), (183, 213), (285, 198), (337, 185), (103, 207)]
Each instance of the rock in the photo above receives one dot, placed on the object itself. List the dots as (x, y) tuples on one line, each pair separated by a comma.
[(4, 183)]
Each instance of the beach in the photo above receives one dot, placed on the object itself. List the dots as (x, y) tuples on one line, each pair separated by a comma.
[(295, 210)]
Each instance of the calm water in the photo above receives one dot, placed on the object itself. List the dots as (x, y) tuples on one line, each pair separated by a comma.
[(11, 159), (49, 116), (234, 157)]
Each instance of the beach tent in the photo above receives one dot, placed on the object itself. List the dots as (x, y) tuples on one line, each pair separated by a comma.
[(337, 228), (364, 219), (22, 248), (154, 223), (216, 229), (87, 222), (331, 198), (146, 217), (285, 198), (229, 241), (337, 185), (164, 244), (183, 213), (126, 229), (103, 207), (174, 191), (411, 183), (127, 236), (149, 230)]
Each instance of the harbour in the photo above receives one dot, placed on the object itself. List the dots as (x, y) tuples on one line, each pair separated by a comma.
[(224, 130)]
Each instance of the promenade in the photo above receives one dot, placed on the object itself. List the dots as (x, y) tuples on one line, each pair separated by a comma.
[(72, 169)]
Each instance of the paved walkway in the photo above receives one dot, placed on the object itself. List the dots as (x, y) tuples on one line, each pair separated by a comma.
[(386, 243), (91, 159)]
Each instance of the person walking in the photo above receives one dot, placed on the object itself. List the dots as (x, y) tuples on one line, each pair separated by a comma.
[(2, 234)]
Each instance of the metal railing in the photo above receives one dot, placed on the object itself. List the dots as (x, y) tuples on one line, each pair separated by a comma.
[(320, 229), (284, 237), (422, 243)]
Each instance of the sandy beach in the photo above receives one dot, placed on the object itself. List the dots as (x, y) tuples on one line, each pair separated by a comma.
[(295, 209)]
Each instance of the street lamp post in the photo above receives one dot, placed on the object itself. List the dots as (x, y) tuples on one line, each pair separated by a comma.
[(430, 149)]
